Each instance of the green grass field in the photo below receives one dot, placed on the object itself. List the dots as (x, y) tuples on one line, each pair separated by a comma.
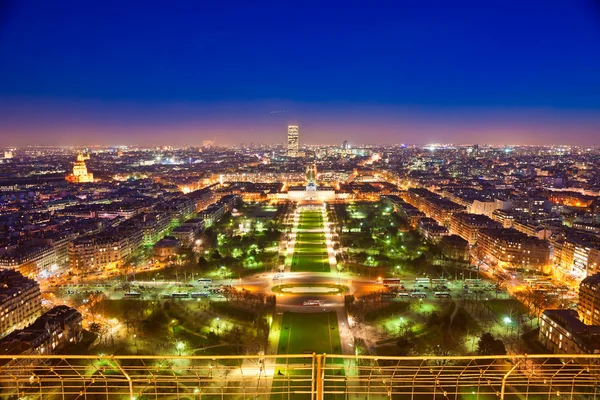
[(310, 251), (307, 333)]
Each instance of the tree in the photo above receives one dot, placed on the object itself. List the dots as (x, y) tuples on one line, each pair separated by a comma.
[(236, 337), (405, 329), (215, 255), (488, 345), (96, 304), (95, 328)]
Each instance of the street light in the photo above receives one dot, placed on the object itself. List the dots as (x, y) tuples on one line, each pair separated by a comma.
[(180, 346), (507, 322)]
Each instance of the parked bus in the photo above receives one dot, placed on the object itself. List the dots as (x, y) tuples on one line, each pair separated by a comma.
[(312, 303), (180, 295), (439, 282), (133, 295), (392, 282), (472, 282), (422, 280), (204, 280), (442, 295), (198, 295), (418, 295)]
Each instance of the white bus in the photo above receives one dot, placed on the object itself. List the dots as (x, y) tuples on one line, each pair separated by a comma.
[(422, 280), (442, 295), (204, 280)]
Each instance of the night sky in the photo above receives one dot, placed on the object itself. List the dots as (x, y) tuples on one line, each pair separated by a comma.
[(174, 72)]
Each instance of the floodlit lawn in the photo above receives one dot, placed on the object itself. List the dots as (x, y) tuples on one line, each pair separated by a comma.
[(310, 224), (312, 263), (310, 220), (315, 248), (310, 250), (309, 332)]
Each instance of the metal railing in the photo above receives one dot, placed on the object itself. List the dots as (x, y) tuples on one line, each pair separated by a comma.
[(313, 376)]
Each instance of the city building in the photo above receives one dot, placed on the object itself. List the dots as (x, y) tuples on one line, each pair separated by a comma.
[(20, 301), (561, 331), (468, 225), (431, 230), (47, 335), (577, 254), (454, 247), (511, 249), (80, 173), (433, 205), (589, 300), (292, 136), (166, 248), (311, 192), (107, 251), (505, 218), (30, 261)]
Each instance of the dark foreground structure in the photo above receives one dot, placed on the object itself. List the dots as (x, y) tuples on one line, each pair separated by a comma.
[(312, 376)]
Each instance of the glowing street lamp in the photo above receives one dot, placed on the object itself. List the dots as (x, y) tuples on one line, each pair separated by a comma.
[(180, 346)]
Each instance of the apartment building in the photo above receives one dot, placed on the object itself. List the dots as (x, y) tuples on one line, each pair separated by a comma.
[(589, 300), (561, 331), (467, 226), (20, 301), (30, 261), (511, 249), (47, 335)]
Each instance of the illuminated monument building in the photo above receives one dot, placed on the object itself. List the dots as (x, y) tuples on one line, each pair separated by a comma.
[(292, 140), (311, 192), (80, 173)]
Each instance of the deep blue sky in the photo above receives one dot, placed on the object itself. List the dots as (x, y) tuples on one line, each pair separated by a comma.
[(176, 72)]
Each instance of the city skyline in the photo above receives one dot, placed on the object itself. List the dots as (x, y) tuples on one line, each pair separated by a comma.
[(396, 74), (300, 200)]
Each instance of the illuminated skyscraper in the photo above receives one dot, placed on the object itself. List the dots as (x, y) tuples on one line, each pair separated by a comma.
[(292, 139)]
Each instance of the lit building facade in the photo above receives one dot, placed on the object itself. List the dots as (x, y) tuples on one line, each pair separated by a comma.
[(20, 301), (432, 205), (80, 173), (467, 226), (561, 331), (511, 249), (292, 146), (47, 335), (30, 261), (589, 300), (103, 252)]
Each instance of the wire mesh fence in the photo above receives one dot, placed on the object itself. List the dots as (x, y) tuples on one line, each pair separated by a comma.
[(307, 376)]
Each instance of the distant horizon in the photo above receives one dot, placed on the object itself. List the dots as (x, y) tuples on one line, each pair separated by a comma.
[(524, 73), (77, 123)]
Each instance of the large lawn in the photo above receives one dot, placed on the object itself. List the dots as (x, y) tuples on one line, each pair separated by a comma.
[(310, 220), (307, 333), (310, 250), (313, 263)]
